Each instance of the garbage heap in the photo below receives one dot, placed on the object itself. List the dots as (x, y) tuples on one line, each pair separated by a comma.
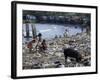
[(53, 57)]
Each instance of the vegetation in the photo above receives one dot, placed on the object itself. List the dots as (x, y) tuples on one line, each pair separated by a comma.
[(56, 17)]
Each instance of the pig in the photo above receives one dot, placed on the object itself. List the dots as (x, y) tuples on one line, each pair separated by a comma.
[(69, 52)]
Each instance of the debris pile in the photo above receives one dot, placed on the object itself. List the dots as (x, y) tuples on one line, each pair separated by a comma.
[(53, 57)]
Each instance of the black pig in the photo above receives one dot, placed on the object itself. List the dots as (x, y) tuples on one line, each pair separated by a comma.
[(68, 52)]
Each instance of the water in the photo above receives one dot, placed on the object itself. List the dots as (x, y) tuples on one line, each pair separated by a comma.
[(50, 30)]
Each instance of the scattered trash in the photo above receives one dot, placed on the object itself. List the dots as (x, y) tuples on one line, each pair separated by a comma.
[(53, 56)]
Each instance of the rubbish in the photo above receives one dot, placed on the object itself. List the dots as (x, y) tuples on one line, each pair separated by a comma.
[(48, 58)]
